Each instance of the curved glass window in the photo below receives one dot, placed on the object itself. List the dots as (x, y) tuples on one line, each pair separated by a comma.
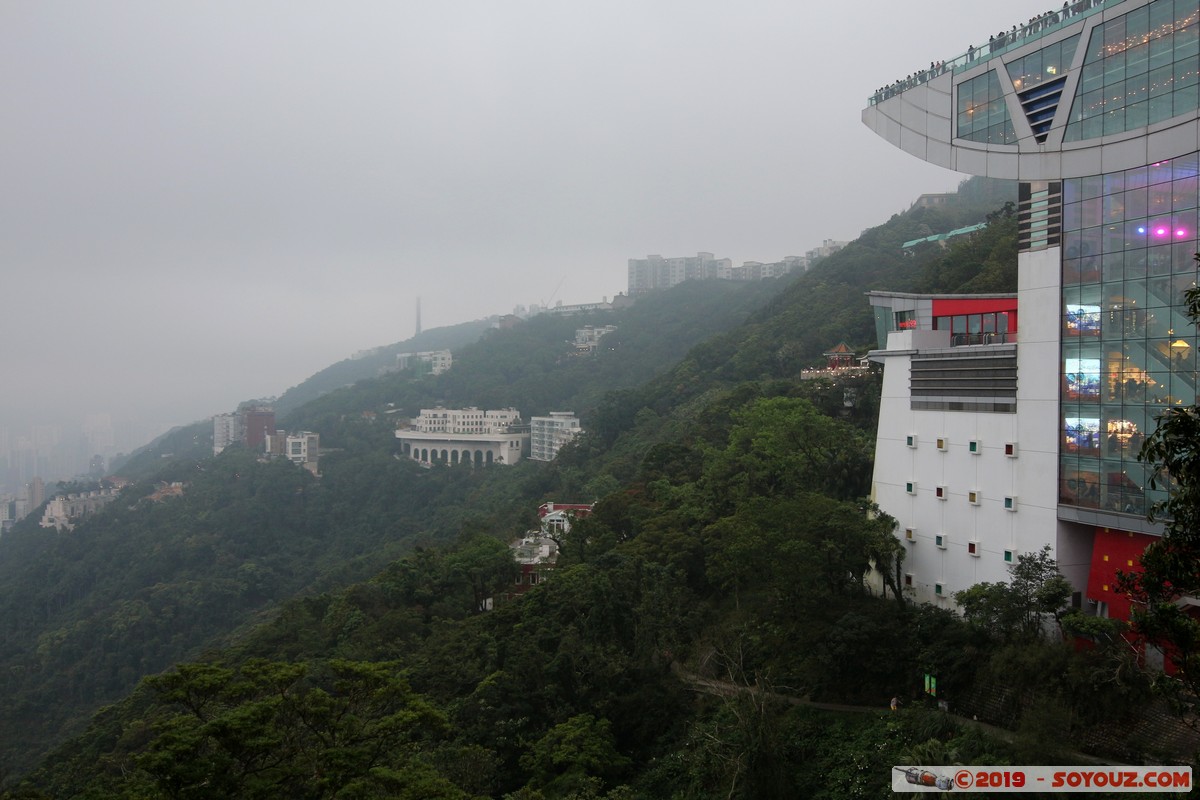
[(982, 113), (1045, 65), (1129, 352), (1141, 68)]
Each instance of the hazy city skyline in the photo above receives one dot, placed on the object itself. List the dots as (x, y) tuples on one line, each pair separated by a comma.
[(209, 202)]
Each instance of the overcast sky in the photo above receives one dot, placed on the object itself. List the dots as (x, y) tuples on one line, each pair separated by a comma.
[(204, 202)]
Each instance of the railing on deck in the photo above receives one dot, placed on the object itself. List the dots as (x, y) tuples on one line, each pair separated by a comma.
[(1020, 35)]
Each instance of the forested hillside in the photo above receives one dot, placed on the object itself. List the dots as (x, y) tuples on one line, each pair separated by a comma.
[(330, 630), (351, 370), (85, 614), (532, 366), (682, 648)]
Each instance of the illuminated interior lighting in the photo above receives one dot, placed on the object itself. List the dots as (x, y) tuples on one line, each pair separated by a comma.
[(1141, 229), (1161, 231), (1181, 232)]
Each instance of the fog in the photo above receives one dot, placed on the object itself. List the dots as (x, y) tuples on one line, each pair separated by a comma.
[(202, 203)]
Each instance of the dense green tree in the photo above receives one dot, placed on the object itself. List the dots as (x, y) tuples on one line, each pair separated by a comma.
[(486, 564), (271, 729), (795, 548), (781, 446), (571, 753), (1018, 610)]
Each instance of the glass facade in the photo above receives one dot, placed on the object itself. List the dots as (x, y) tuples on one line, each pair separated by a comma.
[(986, 328), (1141, 68), (982, 111), (1046, 64), (1128, 350)]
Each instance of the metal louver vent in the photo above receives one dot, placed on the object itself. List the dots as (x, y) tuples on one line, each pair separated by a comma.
[(1039, 215), (1040, 103)]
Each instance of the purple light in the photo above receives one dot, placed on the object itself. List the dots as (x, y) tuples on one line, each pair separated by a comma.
[(1161, 231), (1181, 232)]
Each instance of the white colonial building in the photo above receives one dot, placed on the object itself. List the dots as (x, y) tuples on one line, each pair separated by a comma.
[(465, 436)]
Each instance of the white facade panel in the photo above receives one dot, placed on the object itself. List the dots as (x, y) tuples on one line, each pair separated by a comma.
[(1172, 142), (939, 153), (970, 160), (915, 107), (889, 129), (960, 524), (1080, 160), (1114, 156), (1039, 270), (940, 103), (1038, 428), (1002, 165), (1034, 165), (921, 339), (912, 142)]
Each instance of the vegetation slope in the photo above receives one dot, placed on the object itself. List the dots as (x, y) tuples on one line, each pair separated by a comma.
[(728, 547)]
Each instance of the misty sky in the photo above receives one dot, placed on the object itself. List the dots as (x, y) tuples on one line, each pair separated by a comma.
[(204, 202)]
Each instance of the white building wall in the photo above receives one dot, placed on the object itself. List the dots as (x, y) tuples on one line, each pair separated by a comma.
[(227, 429), (303, 447), (465, 420), (549, 434), (455, 435), (971, 512), (1039, 293), (455, 448), (1028, 475), (959, 472)]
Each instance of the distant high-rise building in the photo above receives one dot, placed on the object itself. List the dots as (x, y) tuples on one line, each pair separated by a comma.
[(433, 362), (547, 435), (827, 248), (227, 429), (656, 272), (302, 448), (37, 492), (258, 422), (98, 430)]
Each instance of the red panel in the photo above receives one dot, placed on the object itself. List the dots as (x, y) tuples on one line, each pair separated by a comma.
[(1121, 548), (950, 308)]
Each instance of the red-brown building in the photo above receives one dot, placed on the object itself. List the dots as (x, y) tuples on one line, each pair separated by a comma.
[(258, 423)]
